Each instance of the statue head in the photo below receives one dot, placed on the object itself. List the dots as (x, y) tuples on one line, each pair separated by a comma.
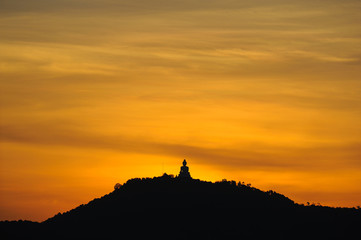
[(184, 162)]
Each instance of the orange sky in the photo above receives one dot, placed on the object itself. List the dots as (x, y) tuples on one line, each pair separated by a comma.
[(96, 92)]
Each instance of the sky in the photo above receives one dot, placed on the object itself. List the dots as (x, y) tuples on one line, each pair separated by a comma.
[(95, 92)]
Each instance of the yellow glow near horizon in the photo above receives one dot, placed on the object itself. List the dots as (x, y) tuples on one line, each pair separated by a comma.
[(266, 92)]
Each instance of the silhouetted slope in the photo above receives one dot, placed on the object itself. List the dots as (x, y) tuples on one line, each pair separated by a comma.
[(19, 229), (166, 207)]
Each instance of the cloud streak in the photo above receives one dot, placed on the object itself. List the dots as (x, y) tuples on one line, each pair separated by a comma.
[(259, 156)]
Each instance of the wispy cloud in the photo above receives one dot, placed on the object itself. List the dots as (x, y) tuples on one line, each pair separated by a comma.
[(254, 156)]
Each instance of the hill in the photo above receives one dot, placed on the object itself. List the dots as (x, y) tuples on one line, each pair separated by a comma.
[(183, 208)]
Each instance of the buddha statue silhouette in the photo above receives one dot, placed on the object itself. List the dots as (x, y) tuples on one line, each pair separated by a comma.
[(184, 171)]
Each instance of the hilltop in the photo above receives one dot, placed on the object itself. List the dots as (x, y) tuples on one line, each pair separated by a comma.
[(185, 208)]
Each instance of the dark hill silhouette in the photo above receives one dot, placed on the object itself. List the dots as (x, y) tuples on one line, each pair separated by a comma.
[(183, 208)]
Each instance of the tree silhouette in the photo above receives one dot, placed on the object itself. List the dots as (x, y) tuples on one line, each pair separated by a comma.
[(117, 186)]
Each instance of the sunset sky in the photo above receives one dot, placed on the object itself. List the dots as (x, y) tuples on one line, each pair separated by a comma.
[(94, 92)]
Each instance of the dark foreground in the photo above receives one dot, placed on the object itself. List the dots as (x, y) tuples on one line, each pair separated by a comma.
[(173, 208)]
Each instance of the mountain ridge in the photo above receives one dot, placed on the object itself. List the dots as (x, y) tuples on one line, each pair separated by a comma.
[(157, 208)]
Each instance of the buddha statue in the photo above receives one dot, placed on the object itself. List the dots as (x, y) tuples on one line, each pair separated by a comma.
[(184, 171)]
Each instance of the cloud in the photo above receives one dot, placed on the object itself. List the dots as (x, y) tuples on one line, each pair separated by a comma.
[(323, 57), (237, 38), (249, 61), (251, 156), (127, 6)]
